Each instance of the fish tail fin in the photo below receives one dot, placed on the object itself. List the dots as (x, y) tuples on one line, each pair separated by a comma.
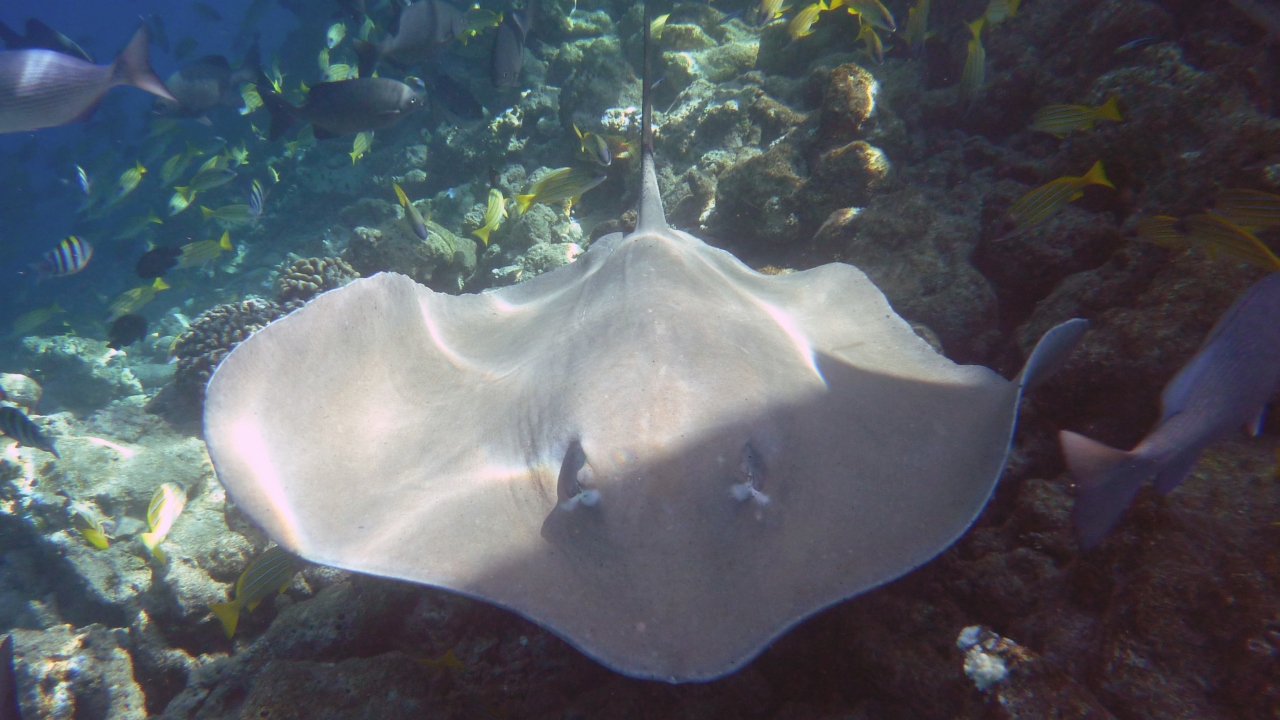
[(206, 212), (483, 234), (160, 284), (523, 202), (1110, 110), (1108, 480), (133, 67), (1097, 176), (366, 56), (228, 613), (225, 242), (11, 39), (152, 543), (283, 114)]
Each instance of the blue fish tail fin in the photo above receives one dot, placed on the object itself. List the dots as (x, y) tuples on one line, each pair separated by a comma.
[(133, 66), (1108, 480)]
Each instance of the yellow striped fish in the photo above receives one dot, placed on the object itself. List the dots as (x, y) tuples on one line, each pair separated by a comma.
[(802, 24), (252, 98), (237, 214), (1060, 120), (87, 523), (867, 35), (768, 11), (1048, 199), (267, 575), (871, 12), (558, 185), (493, 216), (917, 26), (1162, 230), (166, 505), (975, 64), (360, 146), (200, 252), (1252, 209), (132, 300), (1217, 233)]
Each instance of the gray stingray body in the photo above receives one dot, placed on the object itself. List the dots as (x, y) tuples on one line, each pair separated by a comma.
[(655, 452)]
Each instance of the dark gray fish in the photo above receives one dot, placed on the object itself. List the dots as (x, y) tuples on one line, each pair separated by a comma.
[(15, 424), (508, 52), (1226, 386), (9, 709), (184, 48), (452, 96), (207, 12), (44, 88), (157, 261), (345, 107), (126, 330), (424, 27), (158, 35), (40, 36), (208, 83)]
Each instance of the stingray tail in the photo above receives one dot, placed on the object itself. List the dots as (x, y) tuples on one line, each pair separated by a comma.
[(651, 217), (133, 66), (1107, 478), (9, 709)]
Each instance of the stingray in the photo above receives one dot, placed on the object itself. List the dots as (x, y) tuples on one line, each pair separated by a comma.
[(655, 452)]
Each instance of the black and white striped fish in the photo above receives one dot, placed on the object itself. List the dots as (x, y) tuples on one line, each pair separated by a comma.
[(15, 424), (68, 258), (256, 200)]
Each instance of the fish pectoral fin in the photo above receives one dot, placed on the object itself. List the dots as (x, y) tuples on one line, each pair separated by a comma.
[(1255, 426)]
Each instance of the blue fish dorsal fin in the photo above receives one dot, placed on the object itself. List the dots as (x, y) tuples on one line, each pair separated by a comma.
[(651, 216), (1051, 353)]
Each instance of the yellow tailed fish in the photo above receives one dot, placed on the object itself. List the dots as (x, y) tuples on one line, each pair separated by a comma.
[(181, 200), (657, 25), (334, 36), (975, 63), (1251, 209), (802, 24), (1060, 120), (360, 146), (917, 26), (1216, 233), (493, 216), (269, 574), (871, 12), (133, 300), (1162, 230), (252, 99), (166, 505), (867, 35), (559, 185), (237, 214), (200, 252), (1048, 199), (411, 213), (34, 319), (130, 178)]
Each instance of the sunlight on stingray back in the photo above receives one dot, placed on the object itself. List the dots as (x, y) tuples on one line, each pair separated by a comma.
[(655, 452)]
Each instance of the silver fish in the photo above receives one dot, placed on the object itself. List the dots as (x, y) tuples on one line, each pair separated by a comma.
[(424, 27), (44, 88), (1226, 386)]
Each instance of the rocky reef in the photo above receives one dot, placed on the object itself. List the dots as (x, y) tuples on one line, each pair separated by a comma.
[(791, 154)]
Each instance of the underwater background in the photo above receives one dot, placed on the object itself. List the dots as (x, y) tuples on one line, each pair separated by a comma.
[(951, 151)]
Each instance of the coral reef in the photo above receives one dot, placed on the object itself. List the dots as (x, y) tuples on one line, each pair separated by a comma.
[(305, 278)]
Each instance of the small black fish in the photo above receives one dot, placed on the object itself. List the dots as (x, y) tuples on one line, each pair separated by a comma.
[(345, 107), (508, 52), (9, 709), (41, 36), (157, 261), (126, 330), (422, 28), (15, 424)]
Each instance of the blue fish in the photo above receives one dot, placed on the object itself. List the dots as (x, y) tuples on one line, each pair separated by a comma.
[(15, 424), (1225, 387)]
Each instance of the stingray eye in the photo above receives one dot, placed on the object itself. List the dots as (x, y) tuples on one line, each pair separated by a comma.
[(573, 487), (752, 475)]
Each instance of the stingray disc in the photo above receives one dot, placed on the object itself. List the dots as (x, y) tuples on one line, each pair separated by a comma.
[(655, 452)]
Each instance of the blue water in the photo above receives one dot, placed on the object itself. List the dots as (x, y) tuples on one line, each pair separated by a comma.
[(37, 170)]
